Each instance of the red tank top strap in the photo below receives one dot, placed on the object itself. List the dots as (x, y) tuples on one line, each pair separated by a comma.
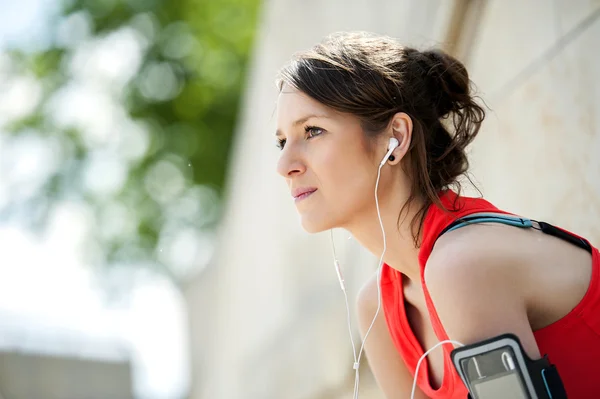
[(568, 341), (436, 220)]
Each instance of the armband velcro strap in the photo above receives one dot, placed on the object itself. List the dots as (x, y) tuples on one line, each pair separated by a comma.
[(556, 232)]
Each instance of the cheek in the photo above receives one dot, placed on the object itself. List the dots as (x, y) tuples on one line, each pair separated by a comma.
[(348, 177)]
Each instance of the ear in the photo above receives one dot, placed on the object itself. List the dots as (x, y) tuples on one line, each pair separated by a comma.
[(401, 127)]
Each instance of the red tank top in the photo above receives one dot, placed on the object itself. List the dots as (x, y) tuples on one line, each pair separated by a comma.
[(571, 343)]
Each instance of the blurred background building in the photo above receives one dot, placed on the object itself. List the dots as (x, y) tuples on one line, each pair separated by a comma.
[(147, 247)]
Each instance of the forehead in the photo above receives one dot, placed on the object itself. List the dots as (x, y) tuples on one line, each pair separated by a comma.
[(293, 105)]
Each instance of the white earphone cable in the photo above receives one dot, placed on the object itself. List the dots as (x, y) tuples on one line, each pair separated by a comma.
[(448, 341), (341, 280), (337, 266), (357, 364), (379, 267)]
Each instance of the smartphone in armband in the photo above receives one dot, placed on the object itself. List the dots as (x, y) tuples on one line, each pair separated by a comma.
[(499, 368)]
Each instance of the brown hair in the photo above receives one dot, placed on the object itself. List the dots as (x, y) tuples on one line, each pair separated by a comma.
[(374, 77)]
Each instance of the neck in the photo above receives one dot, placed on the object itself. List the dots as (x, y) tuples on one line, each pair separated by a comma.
[(401, 253)]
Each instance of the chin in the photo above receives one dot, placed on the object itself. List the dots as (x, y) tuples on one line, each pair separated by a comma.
[(314, 225)]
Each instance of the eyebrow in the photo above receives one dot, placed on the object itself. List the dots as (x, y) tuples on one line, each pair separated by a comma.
[(302, 120)]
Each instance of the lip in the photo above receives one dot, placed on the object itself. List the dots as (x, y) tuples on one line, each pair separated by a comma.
[(301, 193)]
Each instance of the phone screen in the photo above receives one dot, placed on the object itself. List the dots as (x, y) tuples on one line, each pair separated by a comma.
[(499, 387), (494, 374)]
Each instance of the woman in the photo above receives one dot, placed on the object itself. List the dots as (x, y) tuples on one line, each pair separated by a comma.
[(339, 105)]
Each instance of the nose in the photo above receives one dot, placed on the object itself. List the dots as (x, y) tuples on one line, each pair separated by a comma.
[(290, 164)]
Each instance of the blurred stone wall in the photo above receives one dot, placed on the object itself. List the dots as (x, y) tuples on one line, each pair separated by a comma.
[(268, 320), (539, 152)]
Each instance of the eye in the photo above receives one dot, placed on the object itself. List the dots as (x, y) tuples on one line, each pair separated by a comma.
[(313, 131), (280, 143)]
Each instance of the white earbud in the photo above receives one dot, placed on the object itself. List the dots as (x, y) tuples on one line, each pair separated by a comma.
[(391, 147)]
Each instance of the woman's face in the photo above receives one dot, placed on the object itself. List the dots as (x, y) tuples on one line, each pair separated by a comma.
[(326, 160)]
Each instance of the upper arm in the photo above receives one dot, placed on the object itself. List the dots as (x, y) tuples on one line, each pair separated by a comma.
[(478, 293), (385, 362)]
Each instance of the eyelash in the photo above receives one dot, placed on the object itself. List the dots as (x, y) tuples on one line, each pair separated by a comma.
[(307, 129)]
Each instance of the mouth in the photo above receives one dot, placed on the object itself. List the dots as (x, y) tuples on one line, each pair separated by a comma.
[(302, 193)]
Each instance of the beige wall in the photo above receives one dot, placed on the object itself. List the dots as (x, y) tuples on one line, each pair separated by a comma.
[(539, 151), (269, 320)]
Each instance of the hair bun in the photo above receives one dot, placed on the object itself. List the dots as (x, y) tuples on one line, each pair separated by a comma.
[(448, 81)]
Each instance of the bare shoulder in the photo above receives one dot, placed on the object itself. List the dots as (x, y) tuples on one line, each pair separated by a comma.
[(483, 254), (477, 283), (475, 263), (367, 298)]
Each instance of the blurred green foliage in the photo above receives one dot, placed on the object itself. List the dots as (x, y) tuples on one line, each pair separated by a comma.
[(185, 91)]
